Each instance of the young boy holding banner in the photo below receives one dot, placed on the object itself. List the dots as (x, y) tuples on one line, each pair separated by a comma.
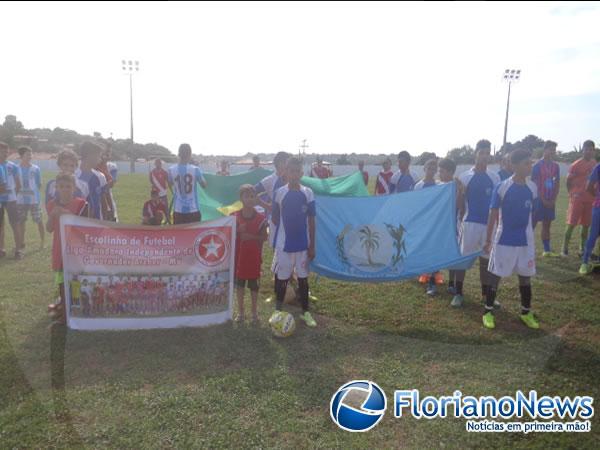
[(64, 203), (251, 229)]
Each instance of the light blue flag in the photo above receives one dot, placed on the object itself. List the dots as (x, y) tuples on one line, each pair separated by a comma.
[(388, 238)]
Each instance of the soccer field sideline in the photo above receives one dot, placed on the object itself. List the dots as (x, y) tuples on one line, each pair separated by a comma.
[(228, 386)]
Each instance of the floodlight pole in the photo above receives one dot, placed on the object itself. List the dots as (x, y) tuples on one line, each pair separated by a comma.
[(130, 67), (510, 75), (505, 119), (131, 108)]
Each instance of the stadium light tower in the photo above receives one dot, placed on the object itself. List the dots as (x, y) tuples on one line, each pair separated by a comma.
[(511, 76), (129, 68)]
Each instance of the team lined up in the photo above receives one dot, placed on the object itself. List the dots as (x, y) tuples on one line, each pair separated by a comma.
[(497, 213)]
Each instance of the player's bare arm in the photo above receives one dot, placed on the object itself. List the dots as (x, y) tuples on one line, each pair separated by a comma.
[(311, 235), (491, 226)]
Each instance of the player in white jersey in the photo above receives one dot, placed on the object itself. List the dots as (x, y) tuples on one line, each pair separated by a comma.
[(184, 179), (9, 186), (28, 198)]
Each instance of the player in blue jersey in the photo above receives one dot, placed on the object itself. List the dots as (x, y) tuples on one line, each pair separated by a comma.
[(512, 249), (403, 180), (546, 175), (294, 218), (28, 197), (477, 186), (10, 184), (184, 179), (593, 187), (265, 190), (506, 169), (94, 180)]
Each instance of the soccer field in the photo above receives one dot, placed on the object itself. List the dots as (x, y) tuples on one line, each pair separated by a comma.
[(236, 386)]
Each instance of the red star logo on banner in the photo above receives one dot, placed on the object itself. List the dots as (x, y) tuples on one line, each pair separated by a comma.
[(211, 249)]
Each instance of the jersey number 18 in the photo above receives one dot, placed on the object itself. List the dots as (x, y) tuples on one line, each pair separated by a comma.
[(187, 185)]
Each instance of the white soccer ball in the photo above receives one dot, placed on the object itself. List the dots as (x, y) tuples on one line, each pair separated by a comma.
[(282, 324)]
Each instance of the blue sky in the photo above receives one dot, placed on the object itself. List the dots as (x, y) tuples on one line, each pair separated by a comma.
[(348, 77)]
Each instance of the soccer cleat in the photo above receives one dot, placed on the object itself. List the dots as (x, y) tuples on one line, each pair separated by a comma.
[(549, 255), (312, 298), (308, 319), (269, 299), (457, 301), (488, 321), (451, 290), (585, 269), (564, 253), (530, 321), (431, 290), (239, 318)]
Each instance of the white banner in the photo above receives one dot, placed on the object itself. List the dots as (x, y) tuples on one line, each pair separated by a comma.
[(121, 277)]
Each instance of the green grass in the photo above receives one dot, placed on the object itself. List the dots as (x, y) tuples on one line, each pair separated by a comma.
[(230, 386)]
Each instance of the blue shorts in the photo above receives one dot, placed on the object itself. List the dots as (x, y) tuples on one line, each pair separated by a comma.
[(543, 214)]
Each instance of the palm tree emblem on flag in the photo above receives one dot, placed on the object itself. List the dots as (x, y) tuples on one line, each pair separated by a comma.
[(372, 248)]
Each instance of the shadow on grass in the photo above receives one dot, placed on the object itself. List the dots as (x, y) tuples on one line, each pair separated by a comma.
[(311, 364)]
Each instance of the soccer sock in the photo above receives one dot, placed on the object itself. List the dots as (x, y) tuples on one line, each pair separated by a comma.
[(303, 292), (459, 280), (484, 276), (568, 234), (525, 290), (489, 300), (585, 231), (431, 281), (459, 288), (546, 243), (484, 290), (492, 289), (280, 288)]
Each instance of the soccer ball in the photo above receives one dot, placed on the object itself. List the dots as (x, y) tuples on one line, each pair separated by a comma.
[(282, 324)]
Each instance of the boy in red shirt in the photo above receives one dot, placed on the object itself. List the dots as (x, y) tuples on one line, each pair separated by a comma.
[(158, 181), (580, 201), (154, 211), (382, 186), (251, 233), (64, 203)]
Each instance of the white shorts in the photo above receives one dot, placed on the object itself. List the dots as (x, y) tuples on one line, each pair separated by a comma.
[(472, 238), (506, 260), (286, 263)]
